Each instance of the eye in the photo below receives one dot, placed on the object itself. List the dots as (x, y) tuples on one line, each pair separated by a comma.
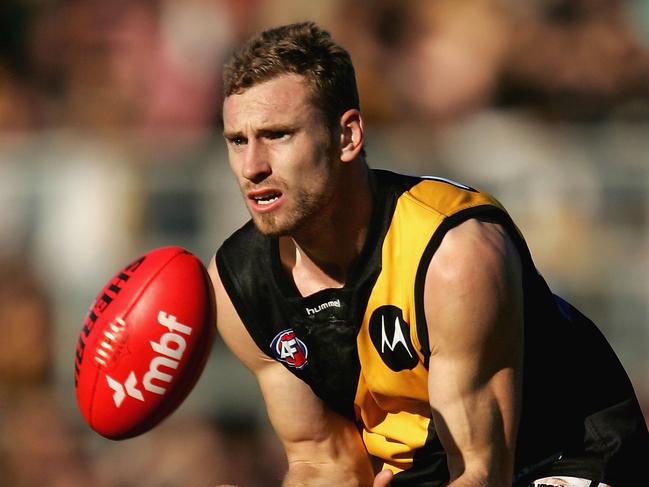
[(277, 134), (236, 140)]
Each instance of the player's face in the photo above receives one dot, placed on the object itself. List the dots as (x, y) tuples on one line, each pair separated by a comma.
[(281, 153)]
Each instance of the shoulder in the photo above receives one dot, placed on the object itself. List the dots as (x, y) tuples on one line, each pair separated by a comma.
[(242, 264), (473, 282), (473, 247), (241, 241), (231, 327)]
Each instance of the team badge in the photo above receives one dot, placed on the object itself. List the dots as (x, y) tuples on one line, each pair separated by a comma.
[(288, 348), (390, 335)]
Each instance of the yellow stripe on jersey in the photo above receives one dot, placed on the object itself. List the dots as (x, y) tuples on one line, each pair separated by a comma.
[(392, 395)]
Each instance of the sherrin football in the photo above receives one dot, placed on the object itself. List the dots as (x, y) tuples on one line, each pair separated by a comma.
[(144, 343)]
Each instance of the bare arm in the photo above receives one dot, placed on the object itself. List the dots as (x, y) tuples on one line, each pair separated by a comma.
[(322, 447), (473, 304)]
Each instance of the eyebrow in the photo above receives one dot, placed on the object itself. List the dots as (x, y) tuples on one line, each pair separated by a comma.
[(264, 130), (231, 135)]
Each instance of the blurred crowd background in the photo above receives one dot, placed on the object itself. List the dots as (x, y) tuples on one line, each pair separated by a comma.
[(110, 145)]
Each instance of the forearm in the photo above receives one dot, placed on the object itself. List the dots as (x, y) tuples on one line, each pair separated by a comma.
[(314, 474)]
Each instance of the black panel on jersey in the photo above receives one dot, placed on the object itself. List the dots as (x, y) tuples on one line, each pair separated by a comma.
[(429, 466), (579, 395), (245, 265)]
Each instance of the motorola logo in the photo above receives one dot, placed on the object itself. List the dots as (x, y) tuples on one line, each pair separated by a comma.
[(390, 335)]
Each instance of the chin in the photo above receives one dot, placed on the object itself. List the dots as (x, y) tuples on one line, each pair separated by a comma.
[(272, 228), (284, 224)]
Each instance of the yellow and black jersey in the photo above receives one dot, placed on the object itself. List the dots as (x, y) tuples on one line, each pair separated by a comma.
[(363, 348)]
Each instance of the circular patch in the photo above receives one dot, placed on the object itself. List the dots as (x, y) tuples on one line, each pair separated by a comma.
[(289, 349), (390, 335)]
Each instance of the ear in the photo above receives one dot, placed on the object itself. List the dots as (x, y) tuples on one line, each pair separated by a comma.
[(351, 135)]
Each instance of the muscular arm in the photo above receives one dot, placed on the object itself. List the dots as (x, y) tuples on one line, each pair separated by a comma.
[(473, 303), (322, 447)]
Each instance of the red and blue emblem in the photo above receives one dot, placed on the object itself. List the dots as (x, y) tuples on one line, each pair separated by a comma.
[(288, 348)]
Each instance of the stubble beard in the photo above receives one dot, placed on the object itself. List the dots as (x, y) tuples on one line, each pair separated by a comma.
[(304, 213)]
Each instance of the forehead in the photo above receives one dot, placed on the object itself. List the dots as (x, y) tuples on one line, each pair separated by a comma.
[(282, 99)]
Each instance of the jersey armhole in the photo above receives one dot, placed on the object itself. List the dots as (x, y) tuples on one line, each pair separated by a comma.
[(435, 241), (242, 310)]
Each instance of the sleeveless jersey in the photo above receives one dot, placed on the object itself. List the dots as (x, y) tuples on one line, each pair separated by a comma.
[(363, 348)]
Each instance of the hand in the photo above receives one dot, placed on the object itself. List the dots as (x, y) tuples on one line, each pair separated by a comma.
[(383, 478)]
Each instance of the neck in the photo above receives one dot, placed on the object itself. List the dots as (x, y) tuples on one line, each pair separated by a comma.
[(321, 255)]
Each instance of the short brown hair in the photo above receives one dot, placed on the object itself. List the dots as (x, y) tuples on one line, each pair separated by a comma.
[(304, 49)]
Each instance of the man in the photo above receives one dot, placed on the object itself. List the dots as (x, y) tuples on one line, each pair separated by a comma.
[(396, 325)]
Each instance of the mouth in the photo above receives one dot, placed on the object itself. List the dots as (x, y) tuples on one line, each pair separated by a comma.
[(264, 199)]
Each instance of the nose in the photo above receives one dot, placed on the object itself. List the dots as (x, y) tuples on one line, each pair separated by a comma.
[(256, 166)]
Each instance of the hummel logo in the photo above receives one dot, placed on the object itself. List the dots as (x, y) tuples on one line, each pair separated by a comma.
[(396, 338), (329, 304), (390, 335)]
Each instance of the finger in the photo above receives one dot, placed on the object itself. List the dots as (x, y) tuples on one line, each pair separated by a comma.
[(383, 478)]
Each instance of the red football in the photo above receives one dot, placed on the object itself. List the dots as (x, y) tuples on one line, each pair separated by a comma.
[(144, 343)]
